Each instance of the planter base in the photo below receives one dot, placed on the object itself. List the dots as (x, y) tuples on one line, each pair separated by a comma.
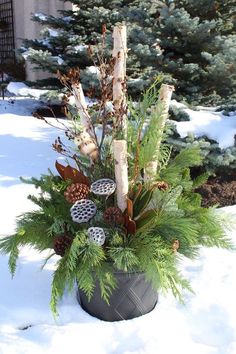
[(133, 297)]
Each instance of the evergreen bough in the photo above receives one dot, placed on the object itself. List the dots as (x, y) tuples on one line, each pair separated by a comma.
[(188, 43), (162, 216)]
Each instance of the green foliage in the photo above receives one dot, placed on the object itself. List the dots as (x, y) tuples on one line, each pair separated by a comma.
[(177, 170), (124, 258), (161, 210), (160, 264), (191, 43), (215, 159)]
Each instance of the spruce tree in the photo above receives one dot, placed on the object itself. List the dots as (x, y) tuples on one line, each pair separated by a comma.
[(193, 43)]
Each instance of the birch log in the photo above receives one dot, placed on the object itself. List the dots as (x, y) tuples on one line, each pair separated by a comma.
[(119, 76), (81, 105), (163, 105), (86, 141), (121, 172)]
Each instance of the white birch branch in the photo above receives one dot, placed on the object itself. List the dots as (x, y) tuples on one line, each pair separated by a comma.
[(86, 141), (81, 105), (121, 172), (119, 76)]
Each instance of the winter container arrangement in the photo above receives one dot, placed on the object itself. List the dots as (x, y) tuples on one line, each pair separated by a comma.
[(122, 212)]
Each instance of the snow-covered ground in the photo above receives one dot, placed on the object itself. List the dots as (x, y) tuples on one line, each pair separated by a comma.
[(206, 324), (215, 125)]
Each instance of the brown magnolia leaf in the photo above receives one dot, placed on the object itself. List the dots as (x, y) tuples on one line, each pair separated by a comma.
[(129, 208), (131, 227), (60, 169), (68, 172), (75, 176), (129, 224)]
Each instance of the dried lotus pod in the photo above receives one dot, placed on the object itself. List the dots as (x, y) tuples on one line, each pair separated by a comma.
[(104, 186), (97, 235), (83, 210), (76, 191)]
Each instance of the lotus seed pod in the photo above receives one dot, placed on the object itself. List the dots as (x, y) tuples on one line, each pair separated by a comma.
[(83, 210), (97, 235), (104, 186)]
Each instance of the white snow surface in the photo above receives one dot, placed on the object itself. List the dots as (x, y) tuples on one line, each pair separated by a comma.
[(53, 32), (206, 324), (207, 122), (41, 16), (21, 89)]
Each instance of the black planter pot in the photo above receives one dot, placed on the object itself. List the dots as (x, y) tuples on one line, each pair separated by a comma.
[(133, 297)]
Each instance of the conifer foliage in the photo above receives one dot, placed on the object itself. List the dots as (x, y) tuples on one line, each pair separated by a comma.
[(192, 43), (94, 235), (161, 215)]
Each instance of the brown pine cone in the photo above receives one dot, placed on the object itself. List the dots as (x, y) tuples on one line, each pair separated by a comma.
[(113, 216), (163, 186), (76, 191), (61, 244), (175, 245)]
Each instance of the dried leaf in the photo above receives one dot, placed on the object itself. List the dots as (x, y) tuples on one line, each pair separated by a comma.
[(60, 169), (130, 208), (68, 172), (129, 224), (131, 227)]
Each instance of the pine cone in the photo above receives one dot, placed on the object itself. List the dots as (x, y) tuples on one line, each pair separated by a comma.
[(61, 244), (76, 191), (113, 216), (175, 245), (163, 186)]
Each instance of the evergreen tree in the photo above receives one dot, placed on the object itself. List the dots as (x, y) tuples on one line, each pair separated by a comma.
[(198, 51), (193, 43)]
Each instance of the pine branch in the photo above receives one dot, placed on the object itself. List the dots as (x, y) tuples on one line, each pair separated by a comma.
[(188, 157), (124, 258), (106, 281)]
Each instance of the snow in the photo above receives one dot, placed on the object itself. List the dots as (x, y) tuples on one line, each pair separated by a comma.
[(208, 122), (41, 16), (68, 19), (21, 89), (80, 48), (59, 60), (93, 70), (206, 324), (52, 32)]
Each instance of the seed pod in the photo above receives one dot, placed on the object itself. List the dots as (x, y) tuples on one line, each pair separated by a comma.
[(104, 186), (97, 235), (83, 210)]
